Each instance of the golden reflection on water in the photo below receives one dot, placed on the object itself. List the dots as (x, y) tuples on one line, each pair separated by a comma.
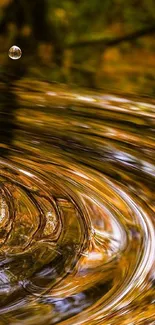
[(77, 208)]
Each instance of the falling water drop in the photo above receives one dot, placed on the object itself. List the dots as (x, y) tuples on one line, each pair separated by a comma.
[(15, 52)]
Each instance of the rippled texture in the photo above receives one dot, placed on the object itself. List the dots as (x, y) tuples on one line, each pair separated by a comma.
[(77, 241)]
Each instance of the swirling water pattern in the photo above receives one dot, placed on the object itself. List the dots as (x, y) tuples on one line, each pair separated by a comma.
[(77, 205)]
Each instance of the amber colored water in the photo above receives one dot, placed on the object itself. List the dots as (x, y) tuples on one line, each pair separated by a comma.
[(77, 207)]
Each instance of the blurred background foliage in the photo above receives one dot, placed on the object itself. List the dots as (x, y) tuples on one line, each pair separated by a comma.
[(106, 44)]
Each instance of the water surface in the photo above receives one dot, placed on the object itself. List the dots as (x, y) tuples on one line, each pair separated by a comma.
[(77, 205)]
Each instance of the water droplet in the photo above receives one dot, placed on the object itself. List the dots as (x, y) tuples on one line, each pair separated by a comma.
[(15, 52)]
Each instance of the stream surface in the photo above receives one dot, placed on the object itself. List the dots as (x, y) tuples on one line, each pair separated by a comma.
[(77, 207)]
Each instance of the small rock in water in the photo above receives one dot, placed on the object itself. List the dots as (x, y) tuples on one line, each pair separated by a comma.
[(15, 52)]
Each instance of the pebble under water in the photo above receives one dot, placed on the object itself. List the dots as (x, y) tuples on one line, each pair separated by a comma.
[(77, 207)]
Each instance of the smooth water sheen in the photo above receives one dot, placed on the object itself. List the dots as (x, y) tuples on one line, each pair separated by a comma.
[(77, 207)]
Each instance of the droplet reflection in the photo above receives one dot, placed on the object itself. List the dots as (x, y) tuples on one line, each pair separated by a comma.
[(15, 52)]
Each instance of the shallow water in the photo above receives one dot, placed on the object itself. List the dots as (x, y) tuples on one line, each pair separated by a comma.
[(77, 227)]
